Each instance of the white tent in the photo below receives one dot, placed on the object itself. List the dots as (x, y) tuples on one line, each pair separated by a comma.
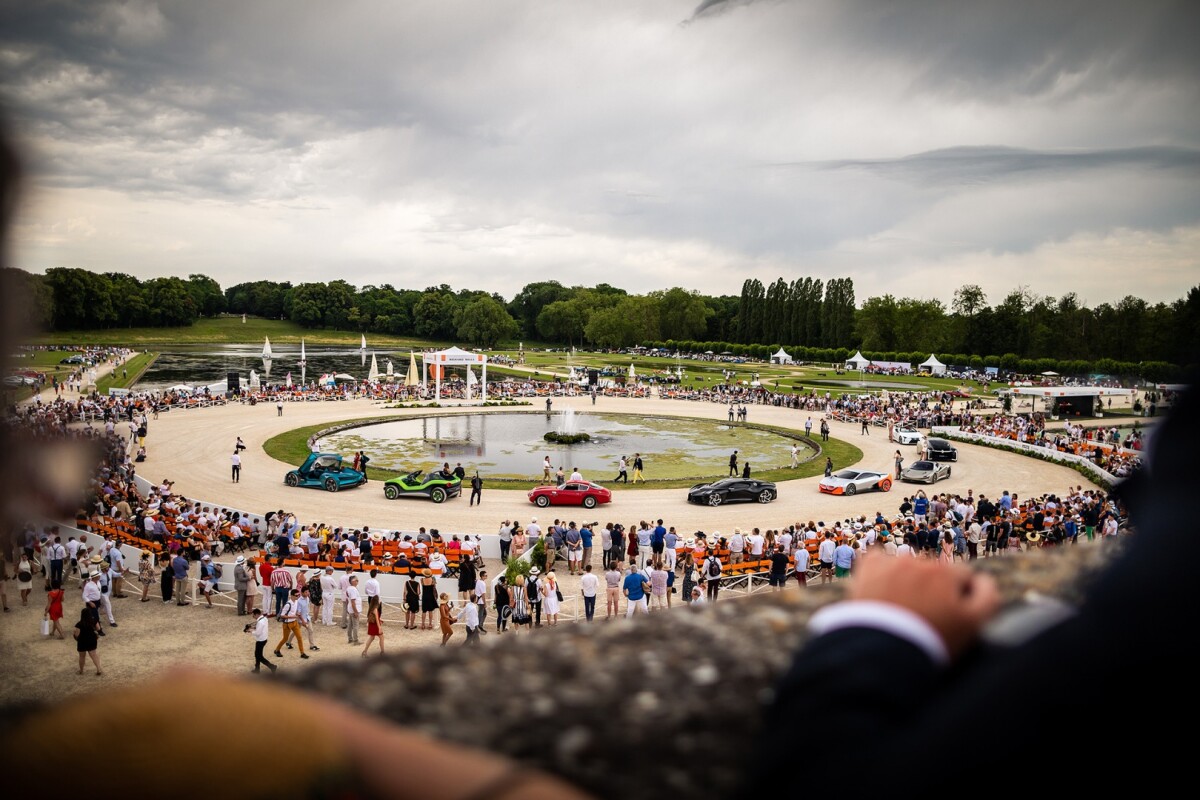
[(857, 361), (934, 366), (453, 357), (781, 357)]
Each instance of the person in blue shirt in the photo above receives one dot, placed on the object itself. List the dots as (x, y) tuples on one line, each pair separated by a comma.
[(634, 587), (670, 542), (179, 567), (585, 533), (920, 506), (658, 540), (843, 560)]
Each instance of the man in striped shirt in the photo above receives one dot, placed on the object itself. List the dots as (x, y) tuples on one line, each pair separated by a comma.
[(281, 583)]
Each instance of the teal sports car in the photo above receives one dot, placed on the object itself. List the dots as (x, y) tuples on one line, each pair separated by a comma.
[(435, 486), (324, 471)]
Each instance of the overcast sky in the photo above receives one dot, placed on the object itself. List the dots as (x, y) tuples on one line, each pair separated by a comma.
[(912, 146)]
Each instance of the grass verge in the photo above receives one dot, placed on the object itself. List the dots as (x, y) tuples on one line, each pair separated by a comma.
[(127, 374)]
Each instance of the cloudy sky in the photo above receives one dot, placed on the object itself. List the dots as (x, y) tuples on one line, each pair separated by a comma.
[(913, 146)]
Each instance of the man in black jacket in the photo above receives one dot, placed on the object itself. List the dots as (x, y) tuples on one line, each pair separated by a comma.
[(903, 661)]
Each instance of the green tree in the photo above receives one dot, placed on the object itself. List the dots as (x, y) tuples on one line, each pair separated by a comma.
[(434, 315), (206, 295), (484, 321), (681, 314), (534, 297)]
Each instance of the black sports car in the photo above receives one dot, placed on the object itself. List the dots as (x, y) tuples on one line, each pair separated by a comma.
[(732, 490), (940, 450)]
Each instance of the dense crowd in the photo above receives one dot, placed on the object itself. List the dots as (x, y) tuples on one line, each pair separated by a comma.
[(1110, 456)]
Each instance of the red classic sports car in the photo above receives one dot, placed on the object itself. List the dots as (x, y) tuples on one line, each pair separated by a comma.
[(585, 494)]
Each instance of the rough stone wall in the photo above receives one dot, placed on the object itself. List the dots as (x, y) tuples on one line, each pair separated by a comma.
[(669, 703)]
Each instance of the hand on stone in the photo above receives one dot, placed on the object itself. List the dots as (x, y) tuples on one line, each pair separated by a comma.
[(954, 600)]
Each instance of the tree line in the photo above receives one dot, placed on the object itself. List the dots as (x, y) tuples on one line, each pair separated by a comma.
[(806, 315)]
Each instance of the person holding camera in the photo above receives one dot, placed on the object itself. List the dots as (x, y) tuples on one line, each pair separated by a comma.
[(259, 629)]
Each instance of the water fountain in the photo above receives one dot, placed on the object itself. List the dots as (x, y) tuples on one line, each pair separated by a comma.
[(568, 430)]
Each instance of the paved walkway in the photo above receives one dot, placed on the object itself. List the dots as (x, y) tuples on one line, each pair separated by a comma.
[(193, 448)]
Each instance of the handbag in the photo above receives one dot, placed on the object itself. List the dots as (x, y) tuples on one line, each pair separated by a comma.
[(558, 592), (45, 626)]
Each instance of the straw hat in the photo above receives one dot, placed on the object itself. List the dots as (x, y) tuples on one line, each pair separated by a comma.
[(427, 572), (240, 560), (535, 571), (96, 559)]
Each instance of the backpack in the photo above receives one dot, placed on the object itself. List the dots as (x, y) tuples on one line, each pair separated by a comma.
[(714, 567), (531, 590)]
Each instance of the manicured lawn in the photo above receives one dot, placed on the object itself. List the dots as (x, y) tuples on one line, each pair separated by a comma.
[(127, 374), (221, 330), (291, 447)]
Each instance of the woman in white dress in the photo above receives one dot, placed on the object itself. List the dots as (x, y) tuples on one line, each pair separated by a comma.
[(550, 601), (24, 578)]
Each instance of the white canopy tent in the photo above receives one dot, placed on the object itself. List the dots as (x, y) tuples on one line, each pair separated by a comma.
[(781, 357), (857, 361), (440, 360), (934, 366)]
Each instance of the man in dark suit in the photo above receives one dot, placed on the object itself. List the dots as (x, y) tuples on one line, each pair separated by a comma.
[(1072, 705)]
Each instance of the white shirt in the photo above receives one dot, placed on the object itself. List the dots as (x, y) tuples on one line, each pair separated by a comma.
[(328, 586), (371, 587), (825, 551), (756, 543), (260, 629), (91, 591), (73, 548), (736, 543), (352, 599), (589, 584), (236, 460), (575, 476), (469, 615)]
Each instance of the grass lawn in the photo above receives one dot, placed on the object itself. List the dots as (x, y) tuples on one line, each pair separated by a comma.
[(221, 330), (127, 374), (291, 447), (697, 374)]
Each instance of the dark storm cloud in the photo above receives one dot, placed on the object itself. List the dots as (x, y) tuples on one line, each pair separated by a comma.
[(973, 165), (532, 136)]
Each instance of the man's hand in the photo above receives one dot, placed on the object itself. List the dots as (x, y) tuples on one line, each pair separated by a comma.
[(955, 601)]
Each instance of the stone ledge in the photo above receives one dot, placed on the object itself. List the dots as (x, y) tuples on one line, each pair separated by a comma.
[(669, 703)]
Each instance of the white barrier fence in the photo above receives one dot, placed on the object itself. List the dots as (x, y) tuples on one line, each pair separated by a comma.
[(1041, 452)]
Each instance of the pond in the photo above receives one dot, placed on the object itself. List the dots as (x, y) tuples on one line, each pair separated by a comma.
[(510, 445), (200, 365)]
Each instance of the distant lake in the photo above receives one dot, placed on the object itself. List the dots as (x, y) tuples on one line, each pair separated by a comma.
[(198, 365)]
